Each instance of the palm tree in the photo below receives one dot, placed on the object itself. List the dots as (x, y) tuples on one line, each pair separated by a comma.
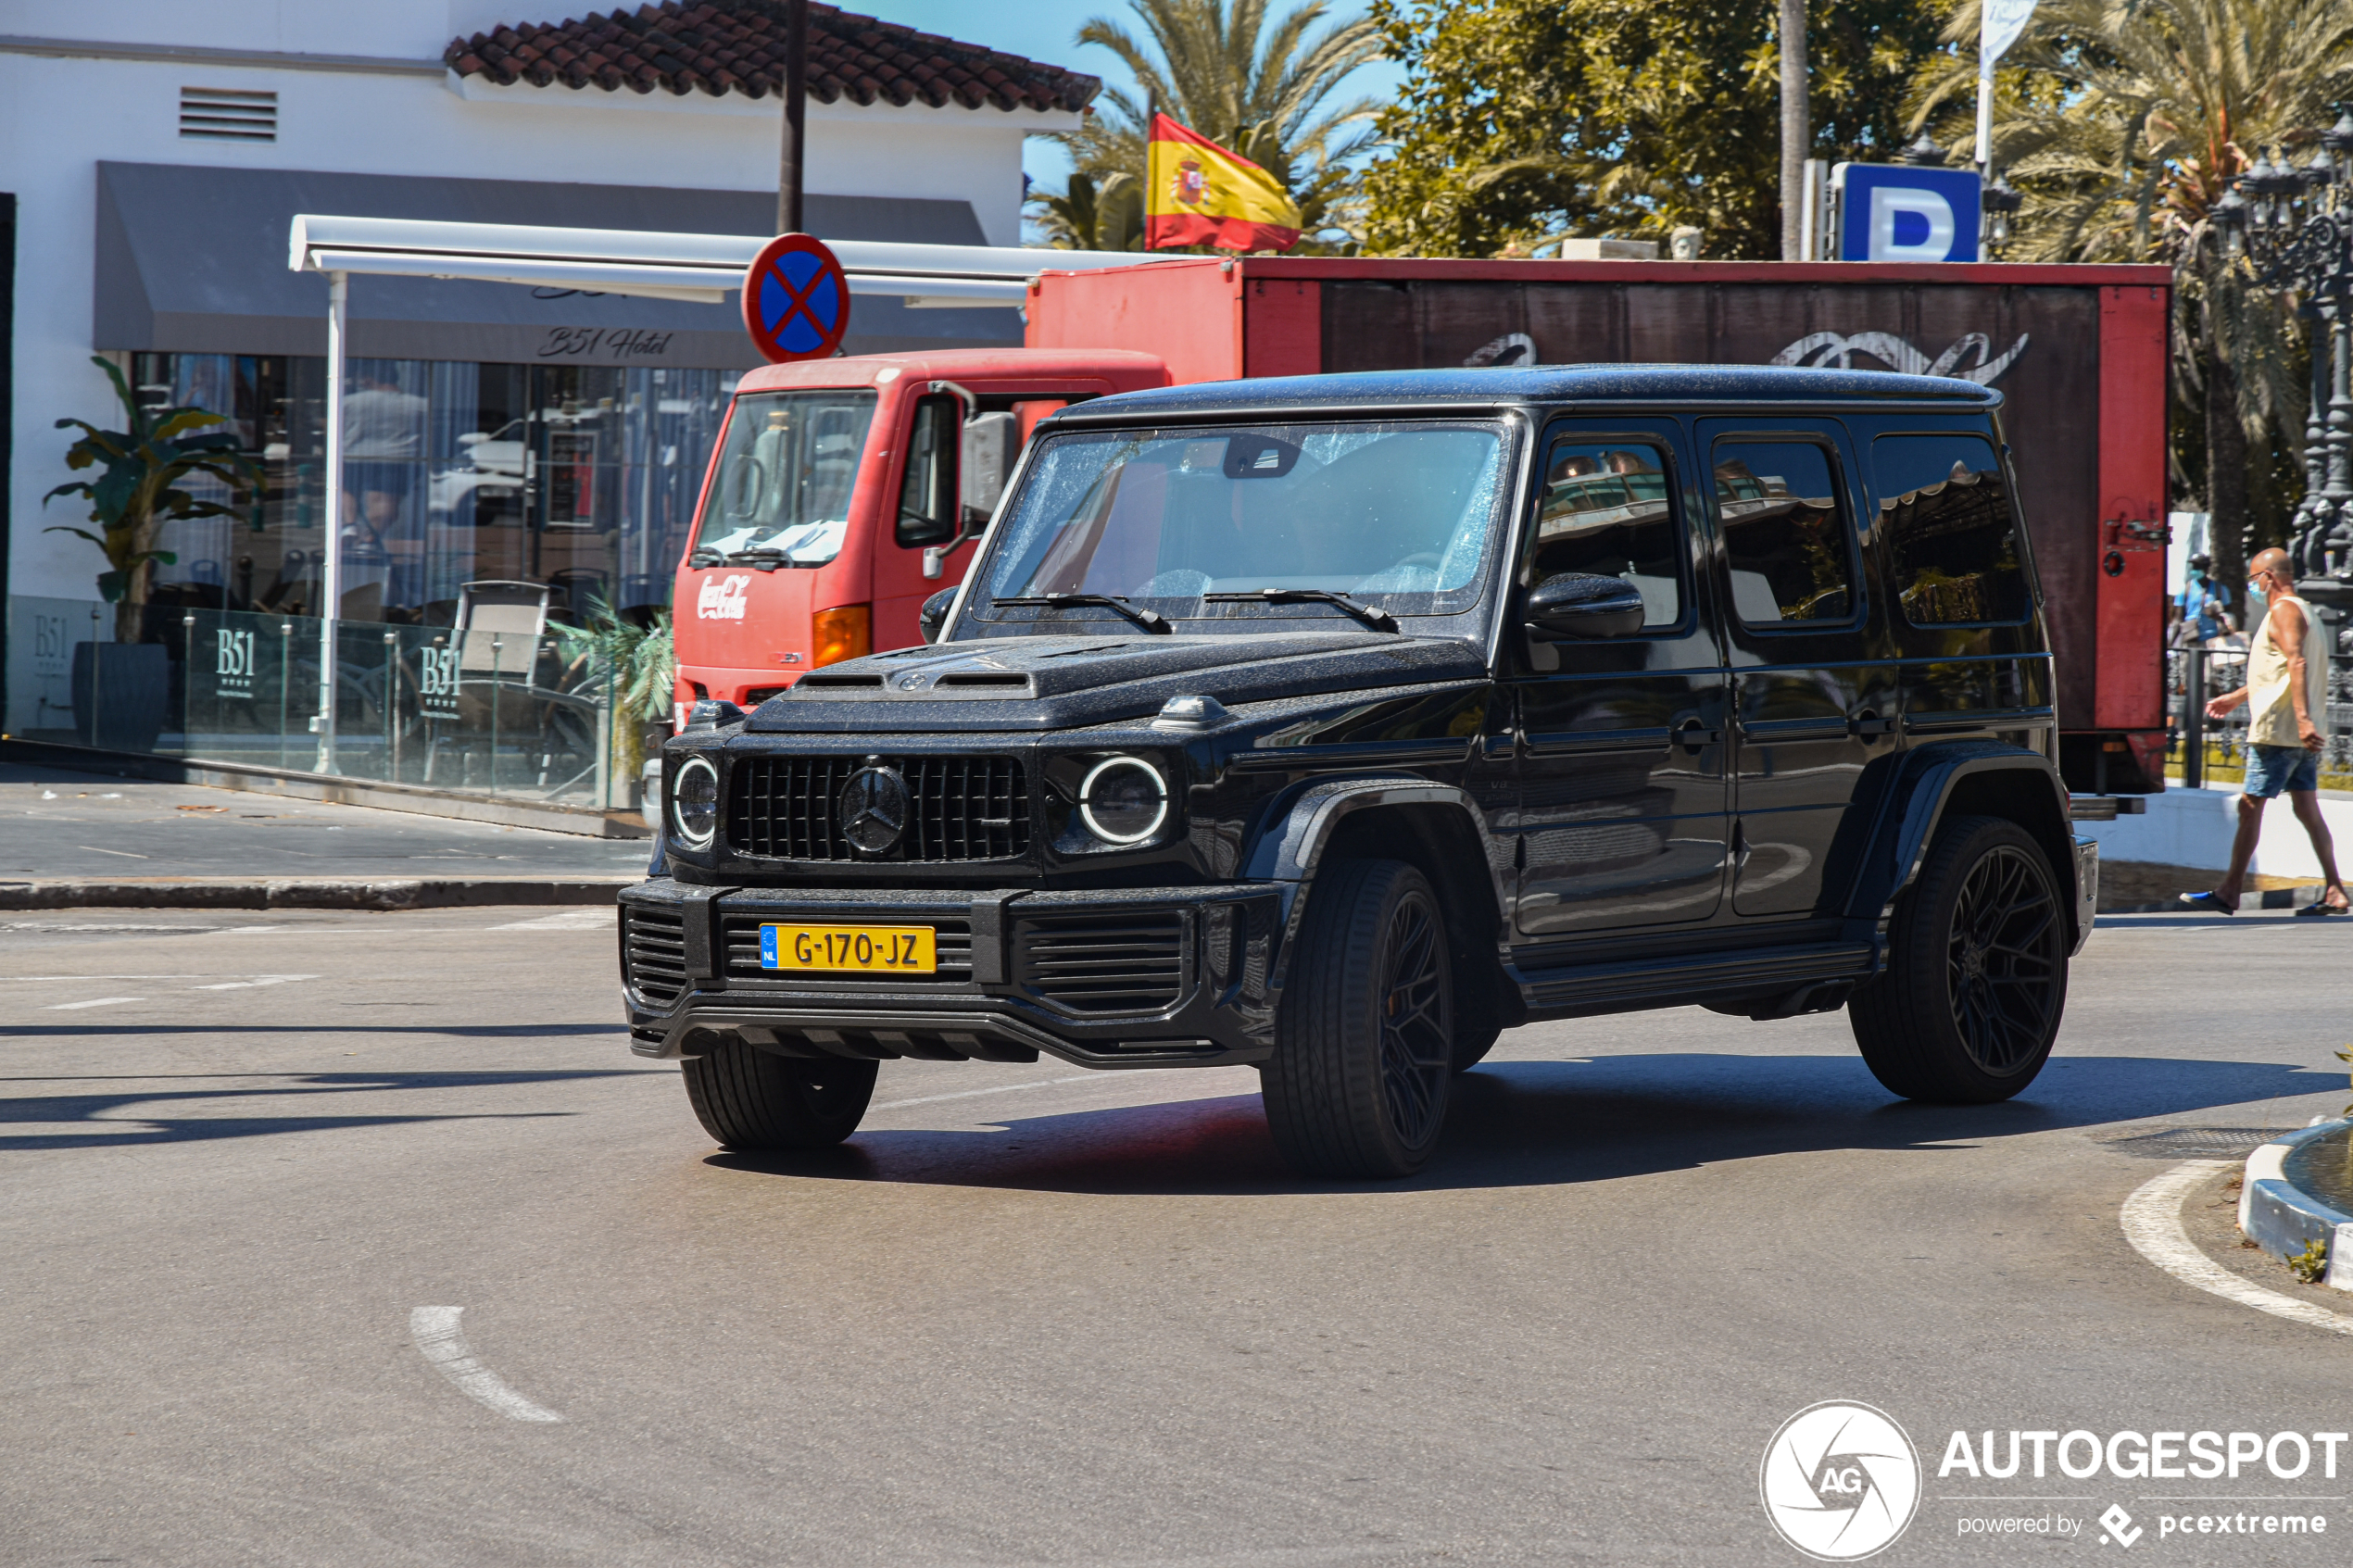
[(1219, 67), (2123, 122)]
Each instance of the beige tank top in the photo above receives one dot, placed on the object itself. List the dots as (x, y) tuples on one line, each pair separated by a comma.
[(2271, 708)]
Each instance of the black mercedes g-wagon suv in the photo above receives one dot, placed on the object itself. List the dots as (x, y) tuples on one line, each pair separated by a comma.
[(1334, 724)]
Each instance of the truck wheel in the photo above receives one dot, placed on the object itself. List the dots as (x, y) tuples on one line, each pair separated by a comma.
[(1976, 977), (1364, 1056), (748, 1098)]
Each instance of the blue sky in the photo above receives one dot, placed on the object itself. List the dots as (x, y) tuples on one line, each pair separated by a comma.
[(1043, 30)]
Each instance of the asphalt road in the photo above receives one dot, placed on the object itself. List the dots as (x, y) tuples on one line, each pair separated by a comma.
[(1033, 1315), (55, 824)]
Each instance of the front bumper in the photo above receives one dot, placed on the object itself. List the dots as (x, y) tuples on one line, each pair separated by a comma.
[(1150, 977)]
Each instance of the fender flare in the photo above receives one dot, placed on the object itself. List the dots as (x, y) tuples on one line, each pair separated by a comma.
[(1299, 823), (1911, 808)]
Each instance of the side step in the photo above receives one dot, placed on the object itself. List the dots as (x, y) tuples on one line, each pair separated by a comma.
[(1686, 979)]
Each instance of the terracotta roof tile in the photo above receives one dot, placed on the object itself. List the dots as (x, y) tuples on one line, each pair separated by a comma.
[(722, 46)]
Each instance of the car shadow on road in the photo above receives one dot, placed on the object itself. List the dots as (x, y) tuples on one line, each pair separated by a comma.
[(1522, 1123), (95, 1120)]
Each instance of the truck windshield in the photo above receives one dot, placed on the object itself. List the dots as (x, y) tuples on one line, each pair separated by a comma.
[(1389, 513), (784, 475)]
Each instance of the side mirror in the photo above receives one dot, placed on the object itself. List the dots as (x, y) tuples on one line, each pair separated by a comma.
[(1582, 603), (989, 447), (933, 616)]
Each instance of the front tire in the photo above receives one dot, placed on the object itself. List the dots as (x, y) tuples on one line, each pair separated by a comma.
[(750, 1099), (1364, 1057), (1976, 980)]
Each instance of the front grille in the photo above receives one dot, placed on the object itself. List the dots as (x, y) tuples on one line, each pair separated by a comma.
[(960, 808), (654, 951), (1104, 962), (952, 941)]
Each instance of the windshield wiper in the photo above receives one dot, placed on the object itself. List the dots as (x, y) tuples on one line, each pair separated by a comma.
[(1144, 618), (705, 555), (760, 557), (1373, 616)]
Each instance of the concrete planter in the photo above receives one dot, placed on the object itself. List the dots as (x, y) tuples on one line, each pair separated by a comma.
[(121, 693)]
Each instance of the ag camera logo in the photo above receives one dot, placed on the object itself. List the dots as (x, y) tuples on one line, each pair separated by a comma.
[(1840, 1481)]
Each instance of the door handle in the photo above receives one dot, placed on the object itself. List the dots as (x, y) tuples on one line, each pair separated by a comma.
[(1870, 723), (1692, 733)]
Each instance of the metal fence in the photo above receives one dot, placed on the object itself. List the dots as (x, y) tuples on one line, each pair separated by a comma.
[(2199, 746), (482, 712)]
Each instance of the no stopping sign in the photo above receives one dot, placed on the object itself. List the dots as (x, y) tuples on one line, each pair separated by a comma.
[(796, 299)]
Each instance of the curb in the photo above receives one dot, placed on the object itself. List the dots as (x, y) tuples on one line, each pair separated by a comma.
[(309, 893), (2283, 1218), (2265, 899)]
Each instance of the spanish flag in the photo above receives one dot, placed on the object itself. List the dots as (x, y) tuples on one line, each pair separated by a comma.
[(1197, 193)]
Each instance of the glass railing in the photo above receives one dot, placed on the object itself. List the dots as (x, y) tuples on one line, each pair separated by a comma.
[(477, 712)]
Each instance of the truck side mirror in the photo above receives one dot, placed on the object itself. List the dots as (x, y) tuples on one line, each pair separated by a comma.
[(990, 443), (933, 616), (1582, 603)]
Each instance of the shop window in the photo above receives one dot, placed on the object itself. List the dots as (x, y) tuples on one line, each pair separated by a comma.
[(1786, 539), (1954, 536)]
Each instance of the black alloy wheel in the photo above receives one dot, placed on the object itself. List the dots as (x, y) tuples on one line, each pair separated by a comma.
[(2004, 960), (1363, 1061), (1976, 977)]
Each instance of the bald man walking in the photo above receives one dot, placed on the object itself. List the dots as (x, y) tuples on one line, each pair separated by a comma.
[(2288, 681)]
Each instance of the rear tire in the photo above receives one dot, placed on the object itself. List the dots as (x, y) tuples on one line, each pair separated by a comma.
[(1363, 1057), (750, 1099), (1976, 979)]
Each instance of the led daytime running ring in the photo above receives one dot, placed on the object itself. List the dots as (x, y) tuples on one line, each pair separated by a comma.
[(1087, 792), (692, 839)]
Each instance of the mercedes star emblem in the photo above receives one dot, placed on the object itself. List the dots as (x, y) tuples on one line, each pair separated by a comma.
[(872, 810)]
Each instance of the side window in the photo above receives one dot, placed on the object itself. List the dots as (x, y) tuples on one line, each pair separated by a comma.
[(929, 506), (1605, 509), (1786, 536), (1954, 536)]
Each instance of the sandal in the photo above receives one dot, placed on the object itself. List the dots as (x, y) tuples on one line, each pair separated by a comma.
[(2322, 907), (2208, 903)]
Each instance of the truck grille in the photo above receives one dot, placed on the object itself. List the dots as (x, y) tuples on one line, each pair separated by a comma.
[(1104, 963), (653, 953), (960, 808), (953, 942)]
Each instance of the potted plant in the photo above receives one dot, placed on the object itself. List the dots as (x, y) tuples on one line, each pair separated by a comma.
[(630, 665), (121, 689)]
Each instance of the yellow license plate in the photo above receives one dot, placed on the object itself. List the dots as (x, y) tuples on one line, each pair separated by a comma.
[(862, 949)]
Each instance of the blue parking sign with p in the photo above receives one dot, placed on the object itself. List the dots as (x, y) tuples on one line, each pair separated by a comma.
[(1905, 212)]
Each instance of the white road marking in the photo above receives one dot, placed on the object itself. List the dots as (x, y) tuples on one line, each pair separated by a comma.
[(95, 1002), (257, 980), (2152, 1221), (435, 1331), (595, 918), (124, 853), (998, 1089)]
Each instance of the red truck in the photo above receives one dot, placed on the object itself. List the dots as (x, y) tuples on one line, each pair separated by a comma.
[(893, 461)]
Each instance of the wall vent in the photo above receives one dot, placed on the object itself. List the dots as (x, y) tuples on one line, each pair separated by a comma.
[(224, 114)]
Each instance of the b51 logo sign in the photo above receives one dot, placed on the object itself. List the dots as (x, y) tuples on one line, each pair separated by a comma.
[(722, 598), (437, 683), (232, 662)]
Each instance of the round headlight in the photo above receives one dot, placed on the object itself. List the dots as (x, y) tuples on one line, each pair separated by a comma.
[(694, 801), (1124, 800)]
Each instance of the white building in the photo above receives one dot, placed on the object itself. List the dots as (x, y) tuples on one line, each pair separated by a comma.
[(153, 151)]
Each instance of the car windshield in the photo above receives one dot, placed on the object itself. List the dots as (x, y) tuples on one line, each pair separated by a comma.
[(785, 474), (1387, 513)]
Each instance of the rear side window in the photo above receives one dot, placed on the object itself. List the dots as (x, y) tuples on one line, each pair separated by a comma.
[(1786, 537), (1951, 533), (1606, 511)]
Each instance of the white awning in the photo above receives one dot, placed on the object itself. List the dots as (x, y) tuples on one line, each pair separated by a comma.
[(703, 269)]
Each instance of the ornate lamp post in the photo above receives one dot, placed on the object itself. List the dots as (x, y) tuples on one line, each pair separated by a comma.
[(2296, 225)]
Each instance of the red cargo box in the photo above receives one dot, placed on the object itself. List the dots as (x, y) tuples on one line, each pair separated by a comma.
[(2078, 351)]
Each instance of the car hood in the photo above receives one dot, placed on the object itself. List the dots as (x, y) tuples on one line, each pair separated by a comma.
[(1016, 684)]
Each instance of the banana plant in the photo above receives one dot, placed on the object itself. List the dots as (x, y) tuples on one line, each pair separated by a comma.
[(139, 491)]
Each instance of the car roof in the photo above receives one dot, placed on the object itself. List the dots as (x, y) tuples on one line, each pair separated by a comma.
[(1546, 383)]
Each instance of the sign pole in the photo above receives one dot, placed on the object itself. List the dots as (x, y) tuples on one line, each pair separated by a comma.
[(1796, 132), (330, 545), (788, 215)]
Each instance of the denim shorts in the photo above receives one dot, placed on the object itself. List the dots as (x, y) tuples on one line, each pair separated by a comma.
[(2270, 769)]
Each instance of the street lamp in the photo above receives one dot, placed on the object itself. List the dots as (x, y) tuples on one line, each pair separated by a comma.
[(2296, 226)]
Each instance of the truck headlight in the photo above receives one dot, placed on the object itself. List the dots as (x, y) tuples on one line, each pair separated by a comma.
[(694, 802), (1122, 800)]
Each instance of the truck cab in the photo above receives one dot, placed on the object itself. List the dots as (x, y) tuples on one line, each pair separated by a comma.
[(844, 491)]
